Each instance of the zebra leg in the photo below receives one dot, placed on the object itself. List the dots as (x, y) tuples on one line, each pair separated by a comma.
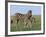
[(17, 21)]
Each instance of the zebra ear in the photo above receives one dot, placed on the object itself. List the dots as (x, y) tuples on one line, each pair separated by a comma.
[(30, 11)]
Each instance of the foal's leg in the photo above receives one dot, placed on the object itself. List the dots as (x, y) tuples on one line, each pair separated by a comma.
[(17, 21)]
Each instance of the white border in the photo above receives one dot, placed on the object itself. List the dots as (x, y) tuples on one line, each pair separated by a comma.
[(24, 32)]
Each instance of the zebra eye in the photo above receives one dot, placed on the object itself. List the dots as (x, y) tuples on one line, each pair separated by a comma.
[(29, 16)]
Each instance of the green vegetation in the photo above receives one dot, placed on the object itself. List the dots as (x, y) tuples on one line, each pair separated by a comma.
[(36, 25)]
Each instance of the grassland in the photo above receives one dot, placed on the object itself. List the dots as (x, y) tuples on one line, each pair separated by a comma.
[(20, 26)]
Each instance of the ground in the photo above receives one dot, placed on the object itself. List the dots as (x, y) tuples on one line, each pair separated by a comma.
[(20, 26)]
